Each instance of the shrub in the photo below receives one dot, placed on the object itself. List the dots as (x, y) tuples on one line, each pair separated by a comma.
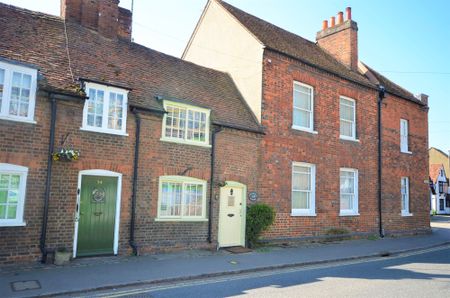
[(259, 218)]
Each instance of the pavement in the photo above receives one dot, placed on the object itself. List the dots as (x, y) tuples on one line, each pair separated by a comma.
[(84, 275)]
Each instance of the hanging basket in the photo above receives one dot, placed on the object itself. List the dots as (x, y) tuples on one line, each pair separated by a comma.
[(66, 154)]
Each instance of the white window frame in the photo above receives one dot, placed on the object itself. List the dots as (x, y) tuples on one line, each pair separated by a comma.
[(355, 210), (183, 180), (353, 137), (309, 129), (405, 211), (312, 198), (6, 168), (404, 139), (6, 99), (104, 128), (188, 108)]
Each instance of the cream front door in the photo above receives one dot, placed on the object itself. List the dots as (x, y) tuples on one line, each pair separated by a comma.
[(231, 216)]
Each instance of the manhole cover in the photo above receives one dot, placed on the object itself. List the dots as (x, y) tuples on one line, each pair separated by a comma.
[(18, 286)]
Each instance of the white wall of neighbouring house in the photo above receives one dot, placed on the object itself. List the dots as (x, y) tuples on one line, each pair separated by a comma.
[(222, 43)]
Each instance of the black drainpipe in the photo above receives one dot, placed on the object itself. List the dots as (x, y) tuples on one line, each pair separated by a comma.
[(381, 93), (135, 178), (211, 183), (48, 180)]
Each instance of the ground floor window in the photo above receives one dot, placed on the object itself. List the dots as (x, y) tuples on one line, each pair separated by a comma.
[(303, 189), (181, 198), (12, 194), (405, 195), (348, 191)]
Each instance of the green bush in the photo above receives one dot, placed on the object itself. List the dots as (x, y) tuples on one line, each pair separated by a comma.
[(259, 218)]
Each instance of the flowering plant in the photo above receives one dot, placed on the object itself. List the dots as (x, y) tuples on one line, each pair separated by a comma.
[(66, 154)]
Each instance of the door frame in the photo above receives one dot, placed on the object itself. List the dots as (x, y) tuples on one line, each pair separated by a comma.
[(105, 173), (244, 209)]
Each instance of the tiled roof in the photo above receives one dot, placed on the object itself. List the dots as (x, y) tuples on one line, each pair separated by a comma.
[(288, 43), (434, 171), (39, 39)]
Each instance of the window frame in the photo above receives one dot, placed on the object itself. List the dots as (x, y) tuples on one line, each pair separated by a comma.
[(7, 85), (344, 137), (188, 108), (309, 129), (22, 171), (312, 198), (355, 210), (404, 148), (183, 180), (104, 128), (406, 211)]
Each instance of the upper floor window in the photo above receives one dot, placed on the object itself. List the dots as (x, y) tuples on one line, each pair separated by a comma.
[(347, 112), (181, 198), (404, 131), (404, 187), (303, 189), (17, 92), (303, 107), (106, 109), (13, 181), (348, 191), (185, 123)]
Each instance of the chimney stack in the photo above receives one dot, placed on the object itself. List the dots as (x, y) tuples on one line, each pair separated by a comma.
[(423, 98), (104, 16), (340, 40)]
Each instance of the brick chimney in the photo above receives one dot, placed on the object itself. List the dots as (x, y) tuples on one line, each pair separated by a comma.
[(104, 16), (423, 98), (340, 39)]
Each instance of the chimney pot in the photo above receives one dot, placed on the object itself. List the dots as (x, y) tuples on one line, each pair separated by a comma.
[(333, 21), (324, 24), (340, 17), (349, 13)]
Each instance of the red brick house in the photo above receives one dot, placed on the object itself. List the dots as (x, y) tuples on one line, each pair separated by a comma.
[(157, 139), (327, 159)]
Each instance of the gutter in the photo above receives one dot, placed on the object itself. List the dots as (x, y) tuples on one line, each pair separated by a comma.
[(132, 242), (211, 183), (381, 95), (51, 144)]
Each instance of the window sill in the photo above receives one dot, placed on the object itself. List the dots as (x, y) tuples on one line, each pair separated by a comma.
[(182, 219), (13, 224), (406, 214), (304, 129), (306, 214), (185, 142), (406, 152), (344, 214), (344, 138), (111, 132), (17, 119)]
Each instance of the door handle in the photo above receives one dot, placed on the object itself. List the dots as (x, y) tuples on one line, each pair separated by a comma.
[(230, 214), (97, 213)]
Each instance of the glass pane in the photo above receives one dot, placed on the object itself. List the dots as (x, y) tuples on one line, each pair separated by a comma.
[(300, 200), (3, 196), (26, 81), (301, 181), (302, 118), (23, 110), (346, 128), (15, 181), (12, 211), (90, 120), (98, 121), (2, 211), (346, 202), (13, 107), (4, 181), (13, 196), (2, 83), (302, 100), (347, 185), (346, 113), (16, 79)]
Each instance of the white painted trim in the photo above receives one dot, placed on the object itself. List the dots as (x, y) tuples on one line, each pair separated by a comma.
[(104, 128), (188, 107), (345, 138), (243, 211), (312, 203), (183, 180), (355, 210), (311, 118), (105, 173), (4, 107), (404, 148), (353, 137), (22, 171), (304, 129), (406, 210)]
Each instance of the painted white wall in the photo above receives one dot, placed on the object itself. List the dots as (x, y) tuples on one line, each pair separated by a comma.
[(221, 42)]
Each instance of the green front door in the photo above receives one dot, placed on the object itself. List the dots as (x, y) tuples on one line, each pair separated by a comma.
[(96, 223)]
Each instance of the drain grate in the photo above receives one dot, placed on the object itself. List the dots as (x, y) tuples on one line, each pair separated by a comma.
[(18, 286)]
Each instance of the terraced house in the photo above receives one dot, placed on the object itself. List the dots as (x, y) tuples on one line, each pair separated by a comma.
[(107, 147), (328, 162)]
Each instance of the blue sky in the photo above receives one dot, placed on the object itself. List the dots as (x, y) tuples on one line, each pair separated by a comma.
[(407, 41)]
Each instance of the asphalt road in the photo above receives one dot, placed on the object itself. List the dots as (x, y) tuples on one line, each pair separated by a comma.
[(425, 274)]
